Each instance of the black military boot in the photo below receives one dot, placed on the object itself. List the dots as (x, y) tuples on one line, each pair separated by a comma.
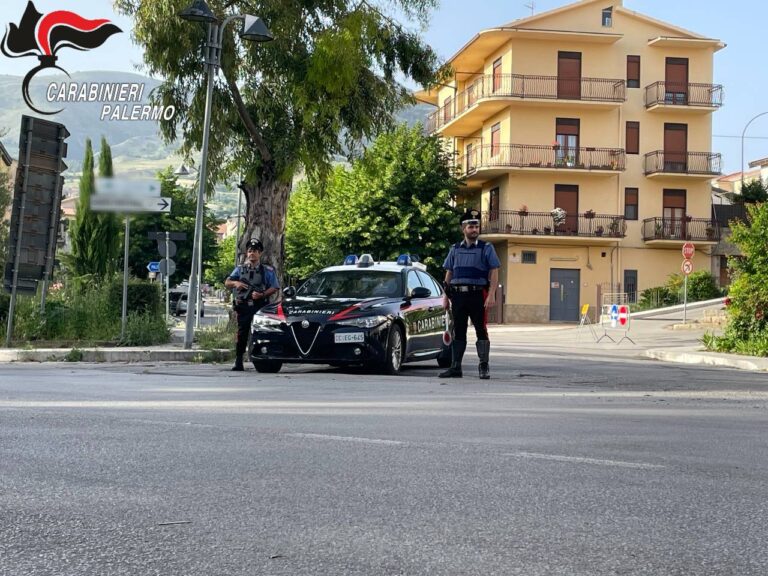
[(457, 353), (238, 367), (483, 352)]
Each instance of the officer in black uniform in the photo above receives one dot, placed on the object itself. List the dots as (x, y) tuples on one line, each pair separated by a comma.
[(252, 284), (471, 278)]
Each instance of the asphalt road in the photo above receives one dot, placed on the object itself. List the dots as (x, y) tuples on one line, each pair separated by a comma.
[(574, 466)]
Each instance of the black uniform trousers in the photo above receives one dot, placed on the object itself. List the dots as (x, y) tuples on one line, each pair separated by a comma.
[(466, 305), (244, 316)]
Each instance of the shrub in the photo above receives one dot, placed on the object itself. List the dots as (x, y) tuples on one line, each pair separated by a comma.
[(145, 329), (143, 296)]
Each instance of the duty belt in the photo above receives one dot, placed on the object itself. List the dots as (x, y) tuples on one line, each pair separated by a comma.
[(466, 288)]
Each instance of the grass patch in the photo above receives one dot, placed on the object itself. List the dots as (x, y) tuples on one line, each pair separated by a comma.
[(220, 336)]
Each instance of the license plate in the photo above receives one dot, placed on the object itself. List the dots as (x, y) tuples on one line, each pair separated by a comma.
[(346, 337)]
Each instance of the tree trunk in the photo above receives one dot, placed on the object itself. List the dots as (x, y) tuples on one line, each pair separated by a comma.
[(265, 213)]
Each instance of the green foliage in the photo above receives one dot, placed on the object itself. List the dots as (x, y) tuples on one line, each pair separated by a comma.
[(395, 199), (180, 219), (754, 191), (327, 82), (85, 310), (110, 230), (220, 336), (6, 197), (95, 237), (143, 297), (145, 329), (222, 263), (701, 286), (74, 355), (747, 331)]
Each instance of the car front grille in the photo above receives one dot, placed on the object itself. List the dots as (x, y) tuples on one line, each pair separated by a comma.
[(305, 337)]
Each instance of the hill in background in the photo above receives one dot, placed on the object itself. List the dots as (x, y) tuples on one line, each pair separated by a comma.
[(137, 147)]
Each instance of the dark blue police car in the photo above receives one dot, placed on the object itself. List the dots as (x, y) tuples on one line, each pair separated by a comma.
[(376, 314)]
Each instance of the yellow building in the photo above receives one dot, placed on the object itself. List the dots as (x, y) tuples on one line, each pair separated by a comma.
[(604, 113)]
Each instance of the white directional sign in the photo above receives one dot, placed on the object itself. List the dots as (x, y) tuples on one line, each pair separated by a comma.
[(110, 203), (128, 187)]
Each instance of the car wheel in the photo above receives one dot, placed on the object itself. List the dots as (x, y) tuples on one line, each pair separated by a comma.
[(267, 366), (395, 351)]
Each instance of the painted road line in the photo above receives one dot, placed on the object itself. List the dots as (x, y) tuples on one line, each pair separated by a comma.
[(578, 460), (346, 438)]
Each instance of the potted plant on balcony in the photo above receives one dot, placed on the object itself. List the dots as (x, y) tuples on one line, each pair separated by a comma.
[(599, 231), (534, 231), (614, 228), (657, 232), (687, 218), (547, 230), (589, 214), (710, 232), (558, 216), (523, 210)]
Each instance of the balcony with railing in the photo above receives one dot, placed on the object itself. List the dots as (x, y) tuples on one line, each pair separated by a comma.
[(701, 98), (540, 227), (490, 160), (674, 231), (702, 165), (488, 94)]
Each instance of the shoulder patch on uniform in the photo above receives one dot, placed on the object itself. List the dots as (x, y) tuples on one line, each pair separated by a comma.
[(268, 267)]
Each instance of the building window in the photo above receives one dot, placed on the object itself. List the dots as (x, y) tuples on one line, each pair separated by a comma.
[(633, 71), (633, 138), (630, 203), (493, 204), (495, 139), (497, 75), (529, 257), (608, 17), (630, 285)]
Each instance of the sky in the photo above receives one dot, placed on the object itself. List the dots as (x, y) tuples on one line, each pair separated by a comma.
[(741, 24)]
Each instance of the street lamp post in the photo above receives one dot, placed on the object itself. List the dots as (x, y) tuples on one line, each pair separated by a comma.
[(743, 132), (254, 30)]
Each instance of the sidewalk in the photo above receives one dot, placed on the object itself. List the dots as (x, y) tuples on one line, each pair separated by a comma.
[(653, 338)]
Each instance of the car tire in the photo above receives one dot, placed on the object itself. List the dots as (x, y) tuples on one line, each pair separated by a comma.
[(267, 366), (393, 360)]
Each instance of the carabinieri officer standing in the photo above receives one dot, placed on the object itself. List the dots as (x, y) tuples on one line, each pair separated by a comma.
[(471, 278)]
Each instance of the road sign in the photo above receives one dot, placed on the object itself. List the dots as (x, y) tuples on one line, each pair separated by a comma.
[(171, 249), (132, 187), (688, 250), (623, 315), (154, 267), (170, 264), (614, 314), (109, 203), (181, 236), (687, 267)]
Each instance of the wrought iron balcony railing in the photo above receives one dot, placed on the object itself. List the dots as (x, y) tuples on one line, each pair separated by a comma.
[(674, 94), (525, 86), (536, 156), (523, 223), (705, 163), (682, 229)]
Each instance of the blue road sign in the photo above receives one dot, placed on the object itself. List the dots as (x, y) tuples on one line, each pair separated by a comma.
[(615, 312), (153, 266)]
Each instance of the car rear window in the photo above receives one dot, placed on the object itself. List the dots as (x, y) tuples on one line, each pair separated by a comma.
[(354, 284)]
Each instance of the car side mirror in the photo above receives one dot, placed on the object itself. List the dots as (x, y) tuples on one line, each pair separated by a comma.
[(421, 292), (289, 292)]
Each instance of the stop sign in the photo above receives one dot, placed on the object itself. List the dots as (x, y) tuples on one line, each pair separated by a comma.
[(688, 250)]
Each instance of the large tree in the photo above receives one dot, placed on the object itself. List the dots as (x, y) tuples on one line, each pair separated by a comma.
[(110, 230), (395, 199), (329, 80)]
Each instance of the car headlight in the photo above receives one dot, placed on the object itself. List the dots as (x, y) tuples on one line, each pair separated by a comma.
[(364, 322), (266, 323)]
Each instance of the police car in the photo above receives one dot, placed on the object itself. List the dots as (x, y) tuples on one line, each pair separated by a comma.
[(363, 312)]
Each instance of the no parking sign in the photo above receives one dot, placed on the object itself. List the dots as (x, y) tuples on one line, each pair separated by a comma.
[(623, 315)]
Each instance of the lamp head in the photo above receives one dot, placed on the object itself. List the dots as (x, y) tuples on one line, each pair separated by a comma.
[(198, 11), (255, 30)]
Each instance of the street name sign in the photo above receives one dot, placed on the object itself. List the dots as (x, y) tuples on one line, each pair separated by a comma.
[(129, 204)]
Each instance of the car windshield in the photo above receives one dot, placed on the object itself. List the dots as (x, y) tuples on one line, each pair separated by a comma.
[(354, 283)]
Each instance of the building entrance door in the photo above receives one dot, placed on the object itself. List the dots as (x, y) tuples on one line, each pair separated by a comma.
[(563, 295)]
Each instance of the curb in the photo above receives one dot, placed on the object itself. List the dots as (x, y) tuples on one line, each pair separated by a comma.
[(693, 357), (112, 355)]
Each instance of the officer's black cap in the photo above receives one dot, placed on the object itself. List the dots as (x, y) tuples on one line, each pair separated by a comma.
[(255, 243), (471, 216)]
